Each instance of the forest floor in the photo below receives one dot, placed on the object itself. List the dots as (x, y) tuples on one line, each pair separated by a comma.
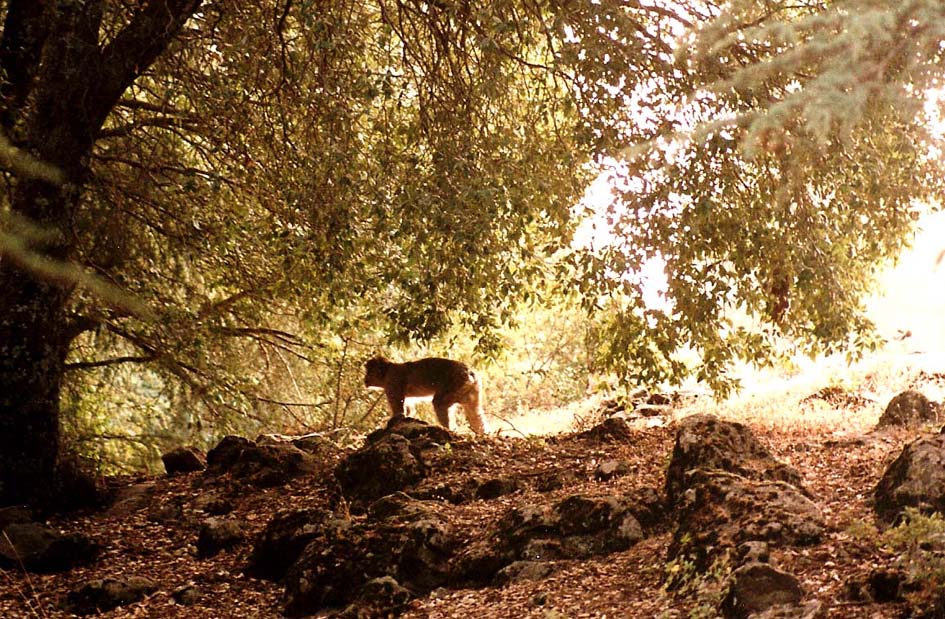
[(825, 433)]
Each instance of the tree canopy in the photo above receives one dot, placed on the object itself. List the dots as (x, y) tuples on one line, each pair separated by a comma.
[(257, 186)]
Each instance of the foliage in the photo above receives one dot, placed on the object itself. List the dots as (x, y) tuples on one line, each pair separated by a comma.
[(706, 589), (919, 540), (288, 178), (784, 163), (545, 361), (292, 185)]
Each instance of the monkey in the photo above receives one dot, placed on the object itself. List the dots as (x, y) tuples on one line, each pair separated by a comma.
[(449, 382)]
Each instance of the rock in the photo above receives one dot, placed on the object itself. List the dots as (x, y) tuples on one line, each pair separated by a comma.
[(757, 587), (647, 506), (610, 430), (313, 443), (706, 442), (264, 466), (577, 527), (753, 552), (520, 571), (880, 586), (909, 409), (286, 536), (101, 595), (214, 503), (184, 460), (169, 512), (227, 453), (915, 479), (188, 595), (379, 597), (317, 445), (721, 511), (333, 571), (402, 507), (382, 467), (805, 610), (133, 498), (886, 585), (610, 469), (494, 488), (218, 534), (414, 430), (15, 514), (38, 548)]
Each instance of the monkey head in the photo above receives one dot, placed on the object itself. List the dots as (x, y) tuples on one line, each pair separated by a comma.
[(375, 372)]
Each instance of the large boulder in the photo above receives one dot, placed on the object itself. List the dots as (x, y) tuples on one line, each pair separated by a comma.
[(915, 479), (38, 548), (721, 511), (284, 539), (706, 442), (407, 540), (577, 527), (909, 409), (265, 465), (383, 466)]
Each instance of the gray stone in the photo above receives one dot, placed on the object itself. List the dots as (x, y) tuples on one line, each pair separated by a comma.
[(915, 479), (706, 442), (757, 587), (721, 511), (610, 469), (217, 534), (909, 409)]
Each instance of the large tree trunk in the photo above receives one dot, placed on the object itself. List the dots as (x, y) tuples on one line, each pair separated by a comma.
[(32, 352), (33, 347), (58, 84)]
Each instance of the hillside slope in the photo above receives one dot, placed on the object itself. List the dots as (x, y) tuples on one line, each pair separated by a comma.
[(154, 529)]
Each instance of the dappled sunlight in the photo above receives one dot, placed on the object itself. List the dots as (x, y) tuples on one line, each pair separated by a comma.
[(909, 312), (911, 304)]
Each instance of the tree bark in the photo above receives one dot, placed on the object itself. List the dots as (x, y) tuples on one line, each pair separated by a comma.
[(32, 355), (60, 85)]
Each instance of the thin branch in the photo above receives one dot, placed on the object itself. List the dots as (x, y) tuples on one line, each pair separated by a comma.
[(160, 123), (85, 365), (290, 404)]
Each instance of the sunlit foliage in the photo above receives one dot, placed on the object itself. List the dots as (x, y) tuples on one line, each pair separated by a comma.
[(292, 185)]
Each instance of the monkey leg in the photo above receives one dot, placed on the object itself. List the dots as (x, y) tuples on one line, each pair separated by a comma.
[(442, 409), (473, 412)]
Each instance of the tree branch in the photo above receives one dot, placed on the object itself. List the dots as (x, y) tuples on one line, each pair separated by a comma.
[(86, 365), (25, 29)]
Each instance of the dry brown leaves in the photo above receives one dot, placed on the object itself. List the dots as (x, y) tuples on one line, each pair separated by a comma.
[(839, 472)]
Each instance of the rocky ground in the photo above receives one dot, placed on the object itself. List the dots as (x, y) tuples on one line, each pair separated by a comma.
[(577, 525)]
